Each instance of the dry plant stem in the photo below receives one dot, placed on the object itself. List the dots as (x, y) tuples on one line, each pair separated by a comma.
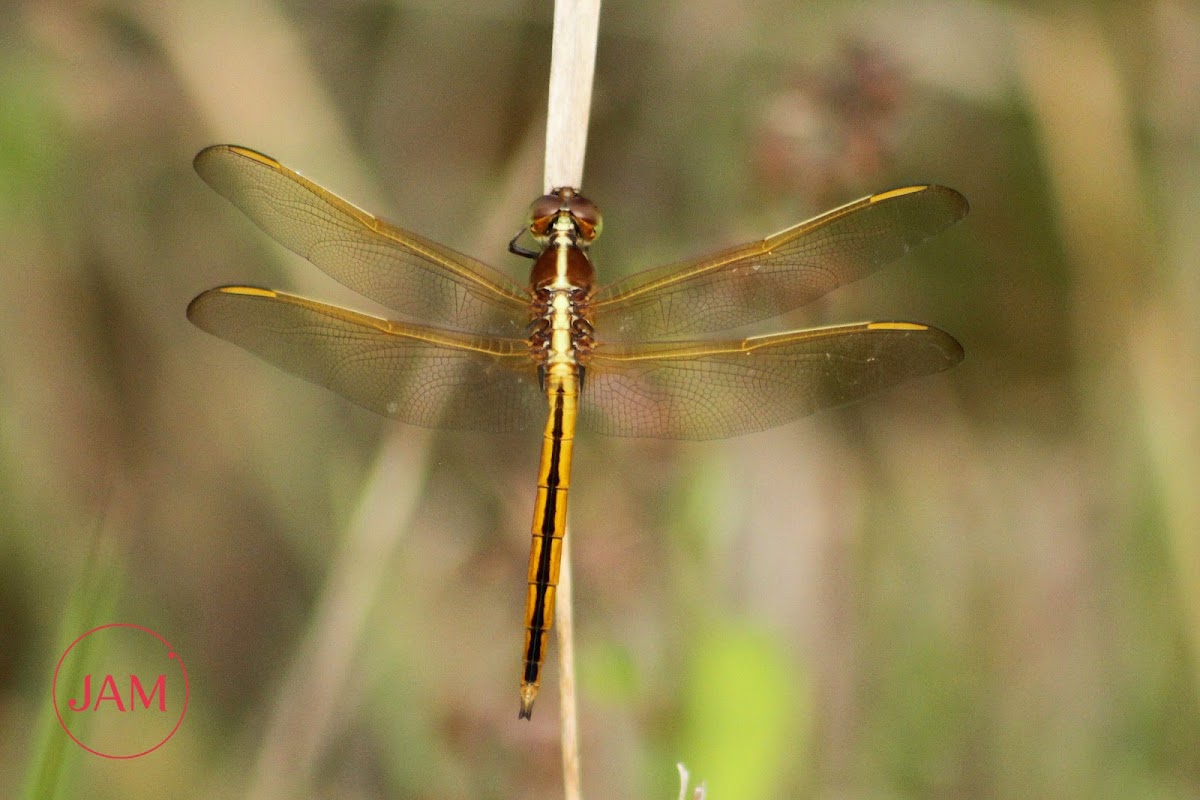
[(565, 622), (324, 662), (305, 124), (1092, 157), (572, 65)]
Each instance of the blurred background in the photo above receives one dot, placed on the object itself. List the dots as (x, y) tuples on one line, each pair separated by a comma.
[(981, 584)]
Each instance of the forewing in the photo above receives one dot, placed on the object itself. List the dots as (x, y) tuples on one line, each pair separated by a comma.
[(429, 377), (763, 279), (416, 277), (711, 390)]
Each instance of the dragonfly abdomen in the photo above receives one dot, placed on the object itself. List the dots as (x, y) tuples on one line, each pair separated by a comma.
[(549, 525)]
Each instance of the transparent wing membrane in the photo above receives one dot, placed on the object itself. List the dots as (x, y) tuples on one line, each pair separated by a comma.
[(423, 376), (763, 279), (418, 278), (712, 390)]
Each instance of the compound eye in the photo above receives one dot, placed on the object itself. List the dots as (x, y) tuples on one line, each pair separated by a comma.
[(542, 213), (586, 215)]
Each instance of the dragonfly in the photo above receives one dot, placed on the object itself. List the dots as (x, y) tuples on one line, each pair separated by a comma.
[(472, 350)]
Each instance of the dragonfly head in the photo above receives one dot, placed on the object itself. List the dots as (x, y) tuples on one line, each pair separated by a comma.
[(567, 211)]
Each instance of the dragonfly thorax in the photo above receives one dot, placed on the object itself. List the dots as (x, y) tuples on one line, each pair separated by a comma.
[(565, 268), (561, 284)]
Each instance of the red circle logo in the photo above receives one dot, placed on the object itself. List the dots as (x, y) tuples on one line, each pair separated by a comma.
[(120, 691)]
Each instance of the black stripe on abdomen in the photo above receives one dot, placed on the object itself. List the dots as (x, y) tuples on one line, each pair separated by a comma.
[(546, 531)]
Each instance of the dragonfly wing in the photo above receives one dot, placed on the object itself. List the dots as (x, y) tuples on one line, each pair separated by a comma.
[(763, 279), (711, 390), (405, 272), (430, 377)]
